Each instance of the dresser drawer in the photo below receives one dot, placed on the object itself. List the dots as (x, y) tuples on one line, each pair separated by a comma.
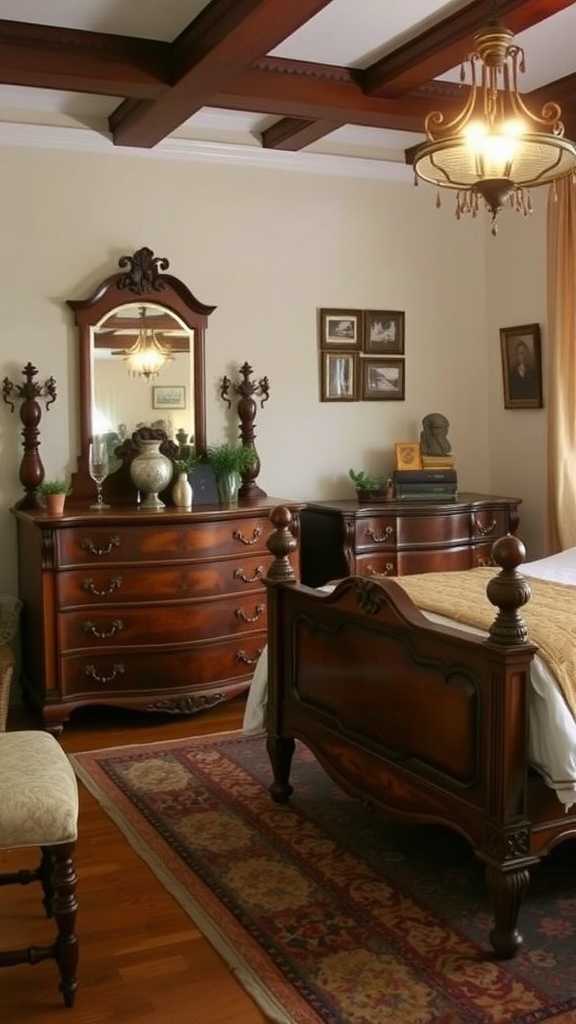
[(489, 523), (157, 624), (391, 532), (376, 531), (132, 674), (100, 586), (376, 565), (100, 545), (405, 563)]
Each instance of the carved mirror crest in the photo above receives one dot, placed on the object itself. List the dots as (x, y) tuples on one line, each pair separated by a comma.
[(142, 368)]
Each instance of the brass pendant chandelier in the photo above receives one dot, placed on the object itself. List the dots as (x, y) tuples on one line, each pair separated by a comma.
[(495, 148), (147, 356)]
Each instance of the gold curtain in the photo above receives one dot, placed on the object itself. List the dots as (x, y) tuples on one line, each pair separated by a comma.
[(562, 346)]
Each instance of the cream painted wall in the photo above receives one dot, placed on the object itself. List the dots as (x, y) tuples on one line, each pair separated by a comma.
[(516, 276), (268, 247)]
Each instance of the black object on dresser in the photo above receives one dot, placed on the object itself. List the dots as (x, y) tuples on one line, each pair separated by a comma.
[(160, 611), (393, 538)]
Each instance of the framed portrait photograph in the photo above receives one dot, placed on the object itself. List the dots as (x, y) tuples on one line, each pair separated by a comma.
[(341, 328), (383, 380), (522, 366), (169, 396), (383, 332), (339, 377)]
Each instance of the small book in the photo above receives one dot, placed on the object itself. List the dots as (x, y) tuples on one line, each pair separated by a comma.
[(426, 495), (432, 476)]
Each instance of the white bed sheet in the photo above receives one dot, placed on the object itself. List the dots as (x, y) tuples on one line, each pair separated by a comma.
[(552, 747)]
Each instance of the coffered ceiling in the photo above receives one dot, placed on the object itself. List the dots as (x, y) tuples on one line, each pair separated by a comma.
[(348, 77)]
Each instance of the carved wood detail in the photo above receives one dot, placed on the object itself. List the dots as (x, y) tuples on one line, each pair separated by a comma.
[(247, 390), (29, 394)]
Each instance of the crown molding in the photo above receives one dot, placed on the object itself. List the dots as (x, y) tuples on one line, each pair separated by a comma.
[(193, 150)]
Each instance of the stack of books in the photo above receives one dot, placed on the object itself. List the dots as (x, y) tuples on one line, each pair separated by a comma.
[(426, 484)]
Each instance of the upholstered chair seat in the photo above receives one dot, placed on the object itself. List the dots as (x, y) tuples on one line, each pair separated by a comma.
[(38, 792), (39, 807)]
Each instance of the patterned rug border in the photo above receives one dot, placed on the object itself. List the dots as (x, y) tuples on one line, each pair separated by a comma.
[(248, 978)]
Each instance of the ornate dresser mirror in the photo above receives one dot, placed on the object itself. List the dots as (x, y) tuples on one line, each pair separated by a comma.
[(142, 368)]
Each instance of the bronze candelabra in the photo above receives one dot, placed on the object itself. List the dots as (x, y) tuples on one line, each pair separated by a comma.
[(29, 393), (248, 390)]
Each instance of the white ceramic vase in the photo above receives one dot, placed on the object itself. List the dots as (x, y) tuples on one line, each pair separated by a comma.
[(151, 473), (182, 491)]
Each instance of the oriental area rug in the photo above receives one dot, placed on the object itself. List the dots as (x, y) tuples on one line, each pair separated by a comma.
[(327, 913)]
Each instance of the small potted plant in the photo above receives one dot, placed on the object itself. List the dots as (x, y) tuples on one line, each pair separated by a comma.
[(371, 488), (182, 488), (229, 462), (54, 493)]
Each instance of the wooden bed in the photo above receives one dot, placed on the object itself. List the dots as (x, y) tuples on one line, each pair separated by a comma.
[(424, 721)]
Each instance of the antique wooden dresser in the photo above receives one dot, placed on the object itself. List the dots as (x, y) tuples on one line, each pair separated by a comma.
[(162, 611), (341, 538)]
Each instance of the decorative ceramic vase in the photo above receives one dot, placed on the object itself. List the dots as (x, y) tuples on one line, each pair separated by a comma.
[(151, 473), (228, 485), (55, 504), (182, 491)]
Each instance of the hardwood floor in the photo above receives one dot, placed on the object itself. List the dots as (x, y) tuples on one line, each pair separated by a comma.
[(141, 957)]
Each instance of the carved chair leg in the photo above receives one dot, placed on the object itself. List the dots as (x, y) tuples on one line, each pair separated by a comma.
[(64, 906), (506, 888), (280, 752), (45, 874)]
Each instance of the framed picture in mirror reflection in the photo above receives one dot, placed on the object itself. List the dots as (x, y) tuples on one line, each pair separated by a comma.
[(169, 396)]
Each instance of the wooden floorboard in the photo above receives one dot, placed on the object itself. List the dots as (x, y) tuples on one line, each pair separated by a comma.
[(142, 959)]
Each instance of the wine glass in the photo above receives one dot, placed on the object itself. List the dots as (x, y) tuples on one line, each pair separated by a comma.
[(98, 467)]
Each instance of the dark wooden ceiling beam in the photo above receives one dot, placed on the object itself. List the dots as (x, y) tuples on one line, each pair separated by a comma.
[(41, 56), (444, 45), (298, 90), (293, 133), (224, 40)]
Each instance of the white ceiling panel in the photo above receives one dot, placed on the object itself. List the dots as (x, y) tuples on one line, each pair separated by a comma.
[(16, 97), (151, 19), (357, 32), (550, 51)]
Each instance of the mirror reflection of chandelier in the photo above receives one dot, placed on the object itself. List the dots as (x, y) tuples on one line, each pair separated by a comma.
[(495, 148), (147, 356)]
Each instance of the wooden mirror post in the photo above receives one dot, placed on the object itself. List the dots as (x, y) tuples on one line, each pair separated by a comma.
[(141, 279)]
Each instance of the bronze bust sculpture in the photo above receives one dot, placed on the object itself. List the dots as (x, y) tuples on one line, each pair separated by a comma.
[(434, 435)]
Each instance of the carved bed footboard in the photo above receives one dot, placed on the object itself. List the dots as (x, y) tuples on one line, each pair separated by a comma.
[(427, 722)]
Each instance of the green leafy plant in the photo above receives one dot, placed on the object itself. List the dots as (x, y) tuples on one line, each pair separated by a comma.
[(365, 482), (184, 463), (230, 458), (54, 487)]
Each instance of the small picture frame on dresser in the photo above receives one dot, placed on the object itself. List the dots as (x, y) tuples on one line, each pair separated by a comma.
[(341, 329), (383, 332), (339, 377), (383, 380)]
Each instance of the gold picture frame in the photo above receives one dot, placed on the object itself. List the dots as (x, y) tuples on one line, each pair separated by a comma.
[(407, 455)]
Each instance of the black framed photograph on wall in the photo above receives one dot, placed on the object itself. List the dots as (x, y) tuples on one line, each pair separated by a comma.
[(383, 332), (383, 380), (339, 377), (522, 366), (341, 328)]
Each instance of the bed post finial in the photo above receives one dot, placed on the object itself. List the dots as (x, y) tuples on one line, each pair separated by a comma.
[(508, 591), (281, 543)]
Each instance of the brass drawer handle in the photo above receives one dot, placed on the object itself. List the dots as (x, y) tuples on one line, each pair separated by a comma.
[(481, 561), (117, 670), (239, 574), (99, 549), (382, 537), (244, 617), (245, 658), (90, 587), (256, 534), (484, 531), (388, 570), (115, 627)]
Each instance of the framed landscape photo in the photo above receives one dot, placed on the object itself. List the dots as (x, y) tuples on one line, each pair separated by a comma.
[(522, 366), (341, 328), (169, 396), (339, 377), (383, 380), (383, 332)]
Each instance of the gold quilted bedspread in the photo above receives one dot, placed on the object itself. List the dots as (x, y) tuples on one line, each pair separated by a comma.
[(550, 614)]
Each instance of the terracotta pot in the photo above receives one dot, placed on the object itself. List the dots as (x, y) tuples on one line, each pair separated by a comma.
[(55, 504)]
